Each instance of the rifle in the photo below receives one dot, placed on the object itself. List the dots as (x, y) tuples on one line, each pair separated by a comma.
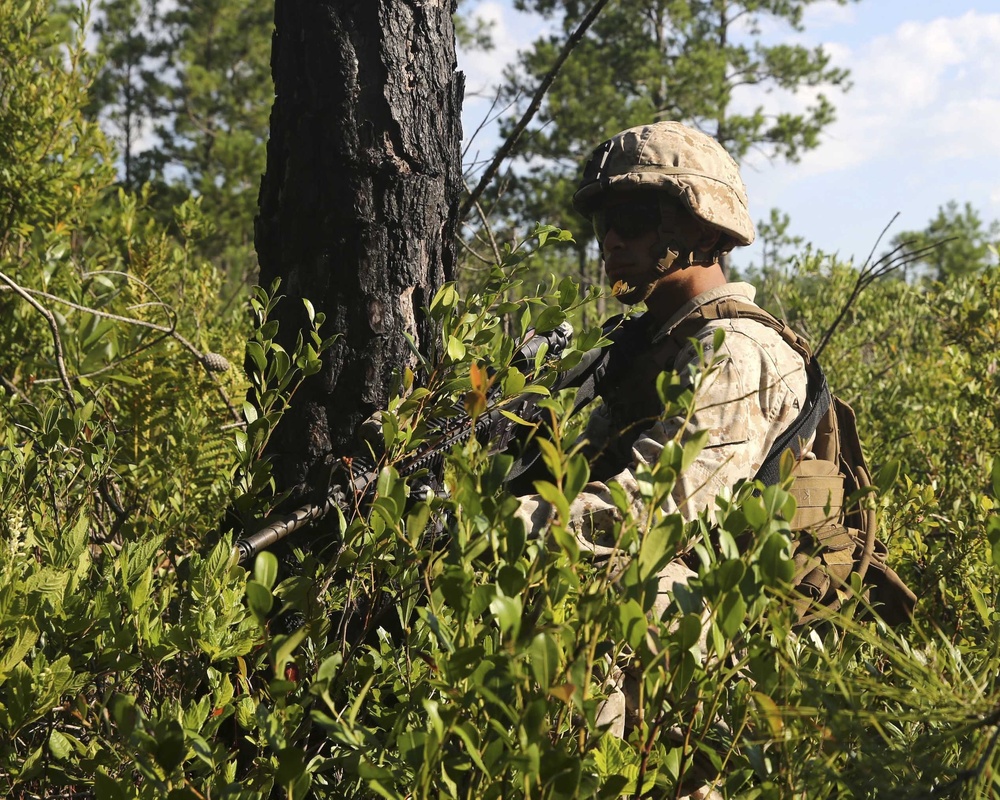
[(356, 477)]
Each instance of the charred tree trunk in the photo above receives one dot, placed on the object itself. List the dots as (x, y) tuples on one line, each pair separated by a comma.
[(358, 205)]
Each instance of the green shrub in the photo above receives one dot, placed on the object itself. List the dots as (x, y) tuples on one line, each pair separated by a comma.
[(434, 649)]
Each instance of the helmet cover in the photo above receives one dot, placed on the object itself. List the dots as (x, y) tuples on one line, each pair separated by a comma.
[(670, 157)]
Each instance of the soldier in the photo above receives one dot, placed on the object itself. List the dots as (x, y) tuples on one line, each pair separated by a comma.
[(666, 203)]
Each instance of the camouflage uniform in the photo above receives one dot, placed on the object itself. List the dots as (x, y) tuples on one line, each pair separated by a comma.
[(753, 394)]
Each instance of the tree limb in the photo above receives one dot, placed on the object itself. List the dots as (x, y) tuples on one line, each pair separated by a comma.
[(536, 103), (166, 330), (57, 339), (871, 271)]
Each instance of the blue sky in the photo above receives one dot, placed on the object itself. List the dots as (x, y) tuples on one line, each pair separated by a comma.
[(920, 127)]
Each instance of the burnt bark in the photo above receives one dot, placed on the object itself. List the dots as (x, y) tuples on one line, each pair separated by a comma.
[(358, 205)]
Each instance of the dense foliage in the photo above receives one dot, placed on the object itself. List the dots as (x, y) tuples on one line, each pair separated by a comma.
[(433, 649)]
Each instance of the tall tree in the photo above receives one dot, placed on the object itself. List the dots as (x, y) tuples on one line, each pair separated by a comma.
[(128, 95), (662, 59), (955, 243), (185, 93), (359, 201), (216, 134)]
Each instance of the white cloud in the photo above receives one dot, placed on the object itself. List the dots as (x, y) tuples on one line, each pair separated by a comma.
[(482, 68), (928, 87), (511, 31), (828, 13)]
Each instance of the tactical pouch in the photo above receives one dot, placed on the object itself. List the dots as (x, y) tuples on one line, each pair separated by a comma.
[(824, 560), (892, 599)]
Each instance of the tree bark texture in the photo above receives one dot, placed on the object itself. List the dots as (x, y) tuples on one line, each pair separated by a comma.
[(358, 206)]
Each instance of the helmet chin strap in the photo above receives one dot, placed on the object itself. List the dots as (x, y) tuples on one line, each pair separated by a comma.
[(666, 259), (667, 256)]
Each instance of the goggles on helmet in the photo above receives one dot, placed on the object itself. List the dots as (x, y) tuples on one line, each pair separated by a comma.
[(629, 220)]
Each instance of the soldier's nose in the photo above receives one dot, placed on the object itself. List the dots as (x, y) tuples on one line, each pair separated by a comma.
[(612, 241)]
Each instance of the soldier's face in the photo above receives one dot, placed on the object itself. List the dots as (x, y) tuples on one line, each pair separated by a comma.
[(629, 227)]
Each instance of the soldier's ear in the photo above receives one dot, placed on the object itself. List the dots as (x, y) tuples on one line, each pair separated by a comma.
[(708, 240)]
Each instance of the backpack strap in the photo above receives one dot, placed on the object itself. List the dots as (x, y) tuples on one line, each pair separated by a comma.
[(844, 539), (818, 397), (806, 424), (730, 308)]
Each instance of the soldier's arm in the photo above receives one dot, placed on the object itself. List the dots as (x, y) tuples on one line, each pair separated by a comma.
[(744, 403)]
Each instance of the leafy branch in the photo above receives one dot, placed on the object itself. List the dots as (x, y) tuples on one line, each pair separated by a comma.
[(211, 362)]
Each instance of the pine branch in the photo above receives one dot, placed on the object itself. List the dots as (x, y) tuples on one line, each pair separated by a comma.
[(536, 103), (900, 256)]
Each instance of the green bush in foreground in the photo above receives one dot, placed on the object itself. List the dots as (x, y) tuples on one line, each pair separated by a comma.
[(441, 653)]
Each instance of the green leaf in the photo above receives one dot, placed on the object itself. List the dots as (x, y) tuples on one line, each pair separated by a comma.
[(513, 382), (256, 353), (887, 476), (688, 632), (445, 300), (26, 638), (731, 614), (284, 646), (992, 536), (265, 569), (170, 749), (260, 599), (543, 656), (108, 788), (456, 348), (980, 602), (467, 732), (775, 559), (551, 494), (508, 611), (577, 475), (291, 764), (658, 546), (60, 746), (633, 622), (550, 319), (693, 448)]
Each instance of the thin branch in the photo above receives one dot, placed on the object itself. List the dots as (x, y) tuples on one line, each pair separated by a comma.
[(536, 103), (472, 252), (57, 339), (900, 256), (486, 226), (487, 119), (167, 330)]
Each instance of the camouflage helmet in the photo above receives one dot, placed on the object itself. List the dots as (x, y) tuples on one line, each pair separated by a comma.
[(671, 157)]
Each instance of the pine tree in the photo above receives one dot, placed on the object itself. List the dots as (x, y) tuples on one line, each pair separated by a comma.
[(128, 94), (359, 203), (644, 60), (216, 135), (955, 243)]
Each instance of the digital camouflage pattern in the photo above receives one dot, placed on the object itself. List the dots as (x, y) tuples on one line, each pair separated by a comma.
[(671, 157), (753, 393)]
